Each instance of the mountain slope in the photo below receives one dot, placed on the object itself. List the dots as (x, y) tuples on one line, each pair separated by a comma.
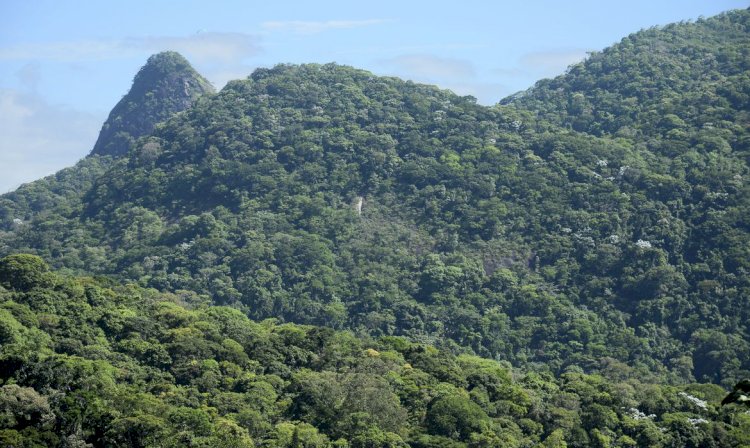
[(605, 261), (167, 84), (88, 363), (481, 229)]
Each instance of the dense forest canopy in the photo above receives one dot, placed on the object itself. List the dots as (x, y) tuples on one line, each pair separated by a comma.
[(87, 362), (587, 238)]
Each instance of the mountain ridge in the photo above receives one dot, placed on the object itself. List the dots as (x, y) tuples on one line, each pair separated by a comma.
[(609, 269), (491, 203), (298, 143)]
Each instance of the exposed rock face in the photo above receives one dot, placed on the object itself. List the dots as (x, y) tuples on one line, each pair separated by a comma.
[(167, 84)]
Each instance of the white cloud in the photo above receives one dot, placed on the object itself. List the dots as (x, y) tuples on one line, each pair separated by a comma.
[(29, 75), (206, 47), (520, 74), (222, 75), (39, 139), (512, 71), (217, 56), (458, 75), (67, 51), (311, 27), (486, 93), (430, 67), (551, 62)]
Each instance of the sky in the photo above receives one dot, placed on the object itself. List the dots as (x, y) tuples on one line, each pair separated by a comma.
[(65, 63)]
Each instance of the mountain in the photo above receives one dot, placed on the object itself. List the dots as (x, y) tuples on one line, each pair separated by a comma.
[(535, 233), (167, 84)]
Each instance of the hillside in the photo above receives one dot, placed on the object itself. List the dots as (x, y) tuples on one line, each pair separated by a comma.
[(90, 363), (585, 242)]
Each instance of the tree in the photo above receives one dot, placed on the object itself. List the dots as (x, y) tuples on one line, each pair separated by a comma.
[(21, 407), (24, 271), (455, 416)]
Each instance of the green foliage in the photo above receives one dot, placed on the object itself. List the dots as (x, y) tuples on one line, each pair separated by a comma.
[(520, 254), (22, 407), (590, 233), (24, 272), (455, 416), (141, 369), (496, 230)]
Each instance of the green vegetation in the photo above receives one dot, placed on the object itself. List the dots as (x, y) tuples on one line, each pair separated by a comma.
[(87, 362), (592, 233), (678, 87)]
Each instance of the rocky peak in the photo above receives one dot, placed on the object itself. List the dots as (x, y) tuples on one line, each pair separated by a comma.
[(167, 84)]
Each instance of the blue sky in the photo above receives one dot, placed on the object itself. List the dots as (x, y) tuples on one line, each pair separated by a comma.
[(64, 64)]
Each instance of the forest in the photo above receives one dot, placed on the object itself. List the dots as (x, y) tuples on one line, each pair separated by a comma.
[(317, 256), (89, 362)]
